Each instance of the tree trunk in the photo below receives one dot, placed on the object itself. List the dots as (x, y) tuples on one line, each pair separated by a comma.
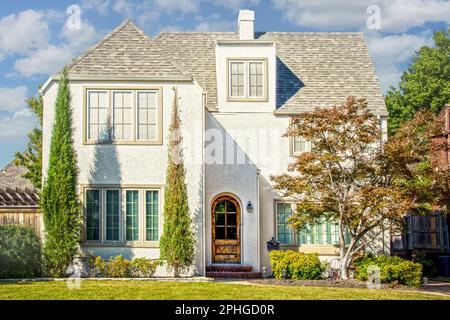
[(175, 272), (344, 266)]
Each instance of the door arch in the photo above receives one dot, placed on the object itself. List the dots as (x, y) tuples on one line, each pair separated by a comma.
[(226, 231)]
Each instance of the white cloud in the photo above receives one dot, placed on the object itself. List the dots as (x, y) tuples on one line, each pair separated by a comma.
[(237, 4), (389, 53), (215, 26), (13, 99), (101, 6), (79, 39), (52, 58), (396, 15), (20, 33), (182, 6), (44, 61), (17, 125)]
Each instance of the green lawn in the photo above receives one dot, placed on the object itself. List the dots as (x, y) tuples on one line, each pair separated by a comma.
[(191, 290)]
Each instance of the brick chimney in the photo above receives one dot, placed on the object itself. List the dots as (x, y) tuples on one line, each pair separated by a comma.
[(246, 21)]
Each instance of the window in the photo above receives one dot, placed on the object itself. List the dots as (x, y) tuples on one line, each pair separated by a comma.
[(284, 212), (325, 232), (122, 215), (147, 115), (132, 215), (247, 79), (256, 79), (92, 215), (112, 215), (97, 115), (151, 215), (300, 145), (237, 79), (123, 116)]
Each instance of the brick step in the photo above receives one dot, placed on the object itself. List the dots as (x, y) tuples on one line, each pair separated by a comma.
[(234, 275), (222, 268)]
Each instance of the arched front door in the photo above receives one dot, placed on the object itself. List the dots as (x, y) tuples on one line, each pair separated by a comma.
[(225, 225)]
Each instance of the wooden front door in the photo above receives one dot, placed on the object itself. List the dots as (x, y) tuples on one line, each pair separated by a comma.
[(226, 244)]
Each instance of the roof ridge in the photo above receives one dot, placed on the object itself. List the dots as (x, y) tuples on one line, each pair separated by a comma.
[(150, 42), (98, 43)]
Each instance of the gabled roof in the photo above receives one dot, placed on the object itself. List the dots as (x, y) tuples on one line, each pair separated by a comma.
[(15, 190), (313, 68), (124, 52)]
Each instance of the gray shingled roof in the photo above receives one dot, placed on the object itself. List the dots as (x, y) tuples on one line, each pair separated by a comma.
[(15, 190), (124, 52), (313, 68)]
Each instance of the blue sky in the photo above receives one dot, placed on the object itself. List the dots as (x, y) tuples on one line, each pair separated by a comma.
[(35, 41)]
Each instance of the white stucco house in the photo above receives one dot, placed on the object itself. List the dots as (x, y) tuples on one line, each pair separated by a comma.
[(237, 93)]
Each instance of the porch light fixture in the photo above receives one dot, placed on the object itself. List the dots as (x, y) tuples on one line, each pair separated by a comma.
[(249, 206)]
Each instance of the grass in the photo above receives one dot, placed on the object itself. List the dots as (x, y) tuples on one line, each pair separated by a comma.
[(137, 290)]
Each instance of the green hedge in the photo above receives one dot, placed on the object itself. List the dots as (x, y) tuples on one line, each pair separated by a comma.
[(118, 267), (20, 252), (298, 266), (393, 269)]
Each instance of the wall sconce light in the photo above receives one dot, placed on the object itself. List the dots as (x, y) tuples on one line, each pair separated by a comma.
[(249, 206)]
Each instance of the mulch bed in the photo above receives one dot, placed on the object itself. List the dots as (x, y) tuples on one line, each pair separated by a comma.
[(350, 283)]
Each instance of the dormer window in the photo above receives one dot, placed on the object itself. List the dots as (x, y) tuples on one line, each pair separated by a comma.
[(247, 80)]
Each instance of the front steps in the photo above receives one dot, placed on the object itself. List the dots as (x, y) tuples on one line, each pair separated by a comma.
[(231, 272)]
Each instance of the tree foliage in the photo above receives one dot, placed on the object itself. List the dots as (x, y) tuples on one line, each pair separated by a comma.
[(425, 84), (59, 200), (348, 178), (177, 241), (32, 157)]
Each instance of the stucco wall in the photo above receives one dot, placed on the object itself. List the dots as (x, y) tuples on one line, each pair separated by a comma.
[(239, 180), (138, 164)]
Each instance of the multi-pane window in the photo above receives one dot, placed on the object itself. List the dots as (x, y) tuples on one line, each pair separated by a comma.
[(151, 215), (300, 145), (112, 215), (237, 79), (147, 115), (324, 232), (97, 102), (116, 215), (92, 215), (132, 215), (247, 79), (256, 79), (284, 212), (123, 116)]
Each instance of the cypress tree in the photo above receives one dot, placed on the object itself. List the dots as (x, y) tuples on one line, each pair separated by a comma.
[(59, 200), (177, 241)]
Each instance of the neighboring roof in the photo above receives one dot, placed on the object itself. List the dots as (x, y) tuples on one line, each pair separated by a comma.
[(314, 69), (124, 52), (15, 190)]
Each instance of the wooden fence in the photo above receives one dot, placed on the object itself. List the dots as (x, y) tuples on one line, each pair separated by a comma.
[(30, 217)]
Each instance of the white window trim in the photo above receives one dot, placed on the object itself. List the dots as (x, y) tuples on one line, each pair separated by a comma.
[(110, 92), (246, 97)]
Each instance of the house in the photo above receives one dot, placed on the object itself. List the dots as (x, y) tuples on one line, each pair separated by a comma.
[(19, 202), (237, 93)]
